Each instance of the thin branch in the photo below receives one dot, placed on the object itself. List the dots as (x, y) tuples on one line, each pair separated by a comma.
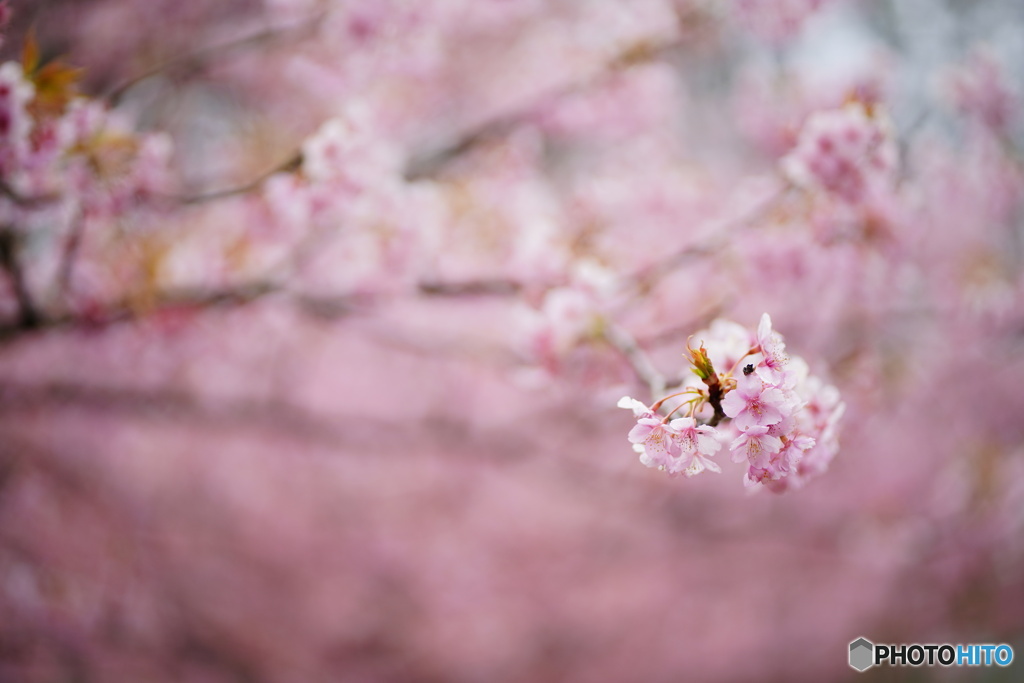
[(169, 404), (320, 306), (715, 394), (493, 287), (28, 315), (646, 278), (72, 247), (125, 311), (292, 163), (426, 165), (499, 126), (639, 362), (672, 335), (200, 57)]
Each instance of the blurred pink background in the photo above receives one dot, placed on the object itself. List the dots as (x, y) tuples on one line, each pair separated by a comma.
[(319, 429)]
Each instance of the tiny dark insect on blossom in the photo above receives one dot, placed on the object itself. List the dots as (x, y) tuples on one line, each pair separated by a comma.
[(748, 369)]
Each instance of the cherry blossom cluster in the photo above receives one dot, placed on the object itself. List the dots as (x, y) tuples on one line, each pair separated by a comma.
[(73, 175), (775, 416), (372, 229), (569, 314), (676, 446), (845, 152), (70, 152), (775, 22), (980, 89)]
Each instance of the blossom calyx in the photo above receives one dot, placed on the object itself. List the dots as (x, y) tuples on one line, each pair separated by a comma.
[(701, 362)]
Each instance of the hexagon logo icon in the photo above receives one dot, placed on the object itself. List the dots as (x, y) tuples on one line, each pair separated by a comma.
[(862, 653)]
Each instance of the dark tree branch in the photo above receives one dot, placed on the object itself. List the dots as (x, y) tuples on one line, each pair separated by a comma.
[(121, 312), (292, 163), (494, 287), (201, 57), (499, 126), (72, 246), (426, 165), (167, 404), (715, 393), (28, 316), (320, 306)]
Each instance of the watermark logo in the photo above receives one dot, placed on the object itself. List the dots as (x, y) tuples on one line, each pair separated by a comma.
[(864, 654)]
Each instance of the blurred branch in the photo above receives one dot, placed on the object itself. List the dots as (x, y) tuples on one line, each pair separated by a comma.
[(278, 416), (1011, 150), (28, 316), (199, 58), (494, 287), (292, 163), (675, 333), (1015, 227), (646, 278), (70, 254), (638, 360), (426, 165), (499, 126), (320, 306), (126, 311)]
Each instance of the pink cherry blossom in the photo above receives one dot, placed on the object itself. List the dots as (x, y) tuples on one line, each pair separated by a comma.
[(659, 440), (15, 123), (981, 90), (755, 446), (678, 446), (349, 151), (775, 21), (772, 367), (777, 412), (727, 342), (846, 152), (568, 314), (818, 424), (781, 466), (639, 408), (697, 445), (754, 403)]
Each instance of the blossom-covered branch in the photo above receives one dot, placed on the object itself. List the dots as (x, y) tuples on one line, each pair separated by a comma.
[(782, 424)]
